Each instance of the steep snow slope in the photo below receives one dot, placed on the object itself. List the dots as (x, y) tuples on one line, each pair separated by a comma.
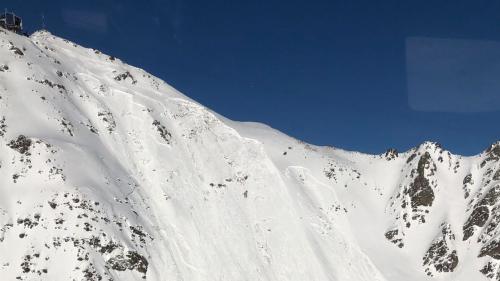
[(108, 173)]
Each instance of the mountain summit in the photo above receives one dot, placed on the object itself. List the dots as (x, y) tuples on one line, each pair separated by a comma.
[(108, 173)]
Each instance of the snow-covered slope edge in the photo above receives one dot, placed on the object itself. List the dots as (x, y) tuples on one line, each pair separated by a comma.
[(108, 173)]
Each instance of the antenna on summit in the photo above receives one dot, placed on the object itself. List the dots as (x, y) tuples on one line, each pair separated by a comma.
[(43, 21)]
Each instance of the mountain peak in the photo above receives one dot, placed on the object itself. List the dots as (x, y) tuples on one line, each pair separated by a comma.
[(41, 32), (108, 173), (494, 149), (430, 146)]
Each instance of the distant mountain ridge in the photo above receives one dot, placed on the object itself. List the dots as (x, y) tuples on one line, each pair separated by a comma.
[(108, 173)]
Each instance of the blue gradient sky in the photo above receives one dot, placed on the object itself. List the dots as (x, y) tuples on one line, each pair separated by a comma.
[(326, 72)]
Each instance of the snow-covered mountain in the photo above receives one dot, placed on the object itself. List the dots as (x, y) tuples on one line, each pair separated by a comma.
[(108, 173)]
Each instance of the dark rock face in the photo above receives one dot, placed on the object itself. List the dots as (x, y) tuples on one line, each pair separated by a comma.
[(3, 127), (484, 207), (478, 218), (129, 261), (420, 191), (492, 196), (415, 197), (124, 77), (164, 133), (481, 212), (440, 257), (497, 175), (494, 151), (17, 51), (411, 158), (492, 154), (392, 236), (22, 144), (467, 182), (492, 249), (391, 154), (490, 271)]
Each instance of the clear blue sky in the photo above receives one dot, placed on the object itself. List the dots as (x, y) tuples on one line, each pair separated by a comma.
[(326, 72)]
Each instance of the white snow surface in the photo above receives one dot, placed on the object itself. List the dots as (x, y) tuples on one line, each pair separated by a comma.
[(108, 173)]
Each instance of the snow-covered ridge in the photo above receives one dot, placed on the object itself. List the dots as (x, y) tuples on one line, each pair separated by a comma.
[(108, 173)]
